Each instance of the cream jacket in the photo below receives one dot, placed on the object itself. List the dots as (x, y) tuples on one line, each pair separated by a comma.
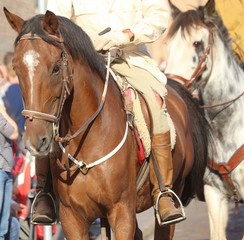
[(147, 19)]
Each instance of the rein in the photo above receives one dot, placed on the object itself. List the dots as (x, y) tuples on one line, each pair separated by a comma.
[(65, 92), (67, 139), (84, 167), (223, 103)]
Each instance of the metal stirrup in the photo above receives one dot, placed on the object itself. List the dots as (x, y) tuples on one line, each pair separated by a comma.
[(160, 222), (33, 203)]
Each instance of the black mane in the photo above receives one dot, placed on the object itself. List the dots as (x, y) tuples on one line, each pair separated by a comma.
[(76, 41)]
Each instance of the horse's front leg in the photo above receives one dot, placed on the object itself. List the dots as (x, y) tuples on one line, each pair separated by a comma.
[(122, 220), (164, 232), (217, 204), (138, 233), (73, 226), (237, 178)]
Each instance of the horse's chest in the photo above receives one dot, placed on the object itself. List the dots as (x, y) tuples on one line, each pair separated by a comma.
[(69, 187)]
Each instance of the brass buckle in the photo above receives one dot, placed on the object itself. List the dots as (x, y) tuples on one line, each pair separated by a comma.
[(84, 170)]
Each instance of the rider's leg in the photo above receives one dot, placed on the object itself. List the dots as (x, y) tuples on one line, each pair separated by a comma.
[(162, 153), (145, 82), (43, 208), (161, 149)]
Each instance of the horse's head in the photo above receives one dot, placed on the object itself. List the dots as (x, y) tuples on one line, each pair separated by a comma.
[(44, 71), (189, 45)]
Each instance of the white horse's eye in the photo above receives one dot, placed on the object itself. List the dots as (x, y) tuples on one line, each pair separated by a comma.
[(198, 44)]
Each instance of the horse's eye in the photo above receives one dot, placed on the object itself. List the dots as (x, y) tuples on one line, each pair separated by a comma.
[(56, 69), (197, 44)]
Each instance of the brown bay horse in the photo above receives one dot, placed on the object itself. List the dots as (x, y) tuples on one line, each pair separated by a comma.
[(74, 125)]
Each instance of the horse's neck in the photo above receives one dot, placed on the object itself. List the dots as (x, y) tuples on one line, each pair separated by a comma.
[(87, 106), (225, 83), (226, 79)]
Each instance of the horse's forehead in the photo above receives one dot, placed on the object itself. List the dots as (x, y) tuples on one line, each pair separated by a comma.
[(193, 34), (33, 52), (31, 58)]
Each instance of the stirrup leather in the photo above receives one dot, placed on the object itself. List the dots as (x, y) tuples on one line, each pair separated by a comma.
[(33, 204), (160, 222)]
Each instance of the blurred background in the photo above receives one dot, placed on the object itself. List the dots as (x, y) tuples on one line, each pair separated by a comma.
[(23, 8)]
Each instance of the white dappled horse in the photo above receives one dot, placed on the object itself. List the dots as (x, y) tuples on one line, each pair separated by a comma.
[(201, 57)]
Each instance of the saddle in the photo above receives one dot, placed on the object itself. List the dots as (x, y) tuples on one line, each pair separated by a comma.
[(138, 116), (135, 105)]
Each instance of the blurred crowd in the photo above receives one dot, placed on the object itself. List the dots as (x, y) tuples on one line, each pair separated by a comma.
[(15, 162), (17, 167)]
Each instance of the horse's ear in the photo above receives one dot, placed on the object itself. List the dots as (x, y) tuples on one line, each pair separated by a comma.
[(174, 10), (50, 23), (15, 21), (209, 9)]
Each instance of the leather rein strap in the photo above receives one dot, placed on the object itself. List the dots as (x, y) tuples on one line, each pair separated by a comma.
[(224, 169), (223, 103)]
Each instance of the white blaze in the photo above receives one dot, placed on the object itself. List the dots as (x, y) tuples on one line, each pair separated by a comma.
[(30, 59)]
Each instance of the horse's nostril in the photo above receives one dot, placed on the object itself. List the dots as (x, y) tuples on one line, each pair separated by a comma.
[(39, 145), (44, 142)]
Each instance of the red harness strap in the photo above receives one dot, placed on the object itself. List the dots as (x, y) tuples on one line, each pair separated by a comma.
[(225, 169)]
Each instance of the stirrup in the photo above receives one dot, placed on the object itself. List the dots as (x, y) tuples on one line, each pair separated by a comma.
[(160, 222), (33, 203)]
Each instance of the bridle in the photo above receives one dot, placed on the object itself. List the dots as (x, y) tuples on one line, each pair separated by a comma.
[(201, 67), (66, 79), (188, 83)]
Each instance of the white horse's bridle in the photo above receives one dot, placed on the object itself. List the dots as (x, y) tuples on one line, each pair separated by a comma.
[(188, 83)]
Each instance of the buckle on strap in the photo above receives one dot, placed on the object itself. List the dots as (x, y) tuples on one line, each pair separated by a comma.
[(163, 223), (84, 169)]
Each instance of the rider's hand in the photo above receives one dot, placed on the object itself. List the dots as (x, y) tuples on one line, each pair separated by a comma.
[(17, 208), (112, 39)]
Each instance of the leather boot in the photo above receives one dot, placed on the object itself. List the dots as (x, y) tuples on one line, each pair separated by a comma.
[(43, 210), (167, 210)]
